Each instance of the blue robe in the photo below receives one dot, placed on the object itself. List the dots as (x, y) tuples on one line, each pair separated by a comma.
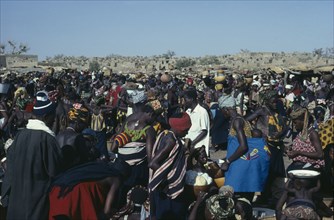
[(248, 173)]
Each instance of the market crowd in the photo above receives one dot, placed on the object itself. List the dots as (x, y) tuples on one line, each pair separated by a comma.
[(85, 145)]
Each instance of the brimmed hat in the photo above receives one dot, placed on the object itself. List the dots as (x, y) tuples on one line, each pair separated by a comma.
[(43, 104)]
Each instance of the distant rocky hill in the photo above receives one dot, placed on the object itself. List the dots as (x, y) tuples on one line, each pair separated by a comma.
[(242, 61)]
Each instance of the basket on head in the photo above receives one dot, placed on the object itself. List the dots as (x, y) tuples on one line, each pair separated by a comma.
[(166, 78), (248, 80), (219, 78)]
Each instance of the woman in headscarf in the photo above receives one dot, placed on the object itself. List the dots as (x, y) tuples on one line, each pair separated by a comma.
[(168, 166), (306, 152), (247, 160), (273, 126)]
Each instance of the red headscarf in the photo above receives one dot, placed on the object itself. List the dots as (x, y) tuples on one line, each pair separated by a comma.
[(190, 81), (180, 124)]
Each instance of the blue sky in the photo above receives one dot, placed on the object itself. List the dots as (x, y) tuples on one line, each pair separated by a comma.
[(146, 28)]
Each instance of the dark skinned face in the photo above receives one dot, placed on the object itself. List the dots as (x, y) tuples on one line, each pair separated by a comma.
[(272, 103), (202, 158), (188, 102), (298, 123)]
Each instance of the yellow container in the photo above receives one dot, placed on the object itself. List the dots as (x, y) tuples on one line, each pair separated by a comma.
[(220, 181)]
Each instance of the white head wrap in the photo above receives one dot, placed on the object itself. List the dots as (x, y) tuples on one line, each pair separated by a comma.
[(226, 101)]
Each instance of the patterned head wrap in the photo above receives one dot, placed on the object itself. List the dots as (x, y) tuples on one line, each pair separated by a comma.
[(156, 105), (138, 96), (227, 191), (21, 91), (78, 113), (220, 206), (226, 101)]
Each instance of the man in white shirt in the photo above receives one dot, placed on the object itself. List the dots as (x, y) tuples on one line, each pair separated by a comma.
[(199, 132)]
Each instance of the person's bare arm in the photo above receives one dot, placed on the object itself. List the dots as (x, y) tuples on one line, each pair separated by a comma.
[(283, 198), (201, 197), (315, 140), (316, 188), (201, 135), (279, 205), (241, 105), (114, 183), (150, 140), (238, 125), (255, 114), (288, 186), (114, 146), (166, 145)]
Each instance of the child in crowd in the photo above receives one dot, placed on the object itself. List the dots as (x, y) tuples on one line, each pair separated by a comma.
[(299, 198)]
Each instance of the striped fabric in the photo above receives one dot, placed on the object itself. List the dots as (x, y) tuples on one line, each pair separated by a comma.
[(97, 122), (122, 139), (134, 153), (172, 171)]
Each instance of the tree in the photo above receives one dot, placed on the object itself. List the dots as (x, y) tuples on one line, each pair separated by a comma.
[(329, 52), (23, 48), (209, 60), (185, 62), (168, 55), (2, 48), (318, 52), (244, 50), (12, 44)]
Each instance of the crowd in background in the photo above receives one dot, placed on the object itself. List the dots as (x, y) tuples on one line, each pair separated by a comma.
[(84, 145)]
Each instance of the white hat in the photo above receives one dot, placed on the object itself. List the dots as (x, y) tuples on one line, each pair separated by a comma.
[(256, 83)]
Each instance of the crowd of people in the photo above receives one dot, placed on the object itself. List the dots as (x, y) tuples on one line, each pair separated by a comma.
[(84, 145)]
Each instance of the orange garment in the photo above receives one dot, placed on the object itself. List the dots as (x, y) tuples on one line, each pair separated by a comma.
[(85, 202)]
